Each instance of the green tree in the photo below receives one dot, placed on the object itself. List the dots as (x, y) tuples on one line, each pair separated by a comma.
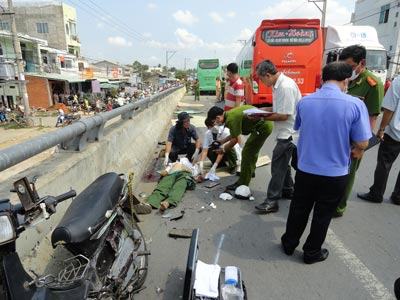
[(136, 66), (181, 74)]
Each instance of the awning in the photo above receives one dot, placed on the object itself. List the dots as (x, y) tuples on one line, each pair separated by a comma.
[(106, 85), (60, 77)]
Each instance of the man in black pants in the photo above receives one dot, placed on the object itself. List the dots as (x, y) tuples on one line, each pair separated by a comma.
[(331, 124), (389, 149)]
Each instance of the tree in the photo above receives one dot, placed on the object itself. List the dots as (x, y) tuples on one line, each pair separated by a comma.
[(136, 66), (180, 74), (173, 69)]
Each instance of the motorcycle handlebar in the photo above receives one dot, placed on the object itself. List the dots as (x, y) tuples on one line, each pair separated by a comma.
[(65, 196)]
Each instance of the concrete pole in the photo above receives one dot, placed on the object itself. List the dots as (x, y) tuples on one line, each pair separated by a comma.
[(323, 13), (17, 47)]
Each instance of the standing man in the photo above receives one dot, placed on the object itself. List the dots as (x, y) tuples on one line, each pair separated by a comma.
[(331, 125), (239, 124), (180, 140), (196, 90), (223, 83), (368, 88), (235, 94), (285, 96), (389, 149)]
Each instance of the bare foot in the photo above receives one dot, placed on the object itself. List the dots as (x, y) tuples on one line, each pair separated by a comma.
[(164, 205)]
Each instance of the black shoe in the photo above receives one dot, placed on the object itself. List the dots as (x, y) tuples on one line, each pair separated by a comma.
[(320, 256), (268, 206), (287, 195), (337, 214), (232, 187), (368, 197), (395, 200), (286, 249)]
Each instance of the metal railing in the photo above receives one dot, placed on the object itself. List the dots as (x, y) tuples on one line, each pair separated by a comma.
[(76, 136)]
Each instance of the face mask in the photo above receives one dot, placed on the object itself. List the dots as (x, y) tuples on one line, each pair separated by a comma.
[(354, 75)]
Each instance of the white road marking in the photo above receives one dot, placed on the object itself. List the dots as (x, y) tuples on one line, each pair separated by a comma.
[(221, 241), (372, 284)]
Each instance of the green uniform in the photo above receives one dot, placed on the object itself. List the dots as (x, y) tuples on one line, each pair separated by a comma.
[(259, 130), (368, 88), (197, 91), (171, 188)]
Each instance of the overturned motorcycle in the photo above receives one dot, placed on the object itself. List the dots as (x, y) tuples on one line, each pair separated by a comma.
[(109, 256)]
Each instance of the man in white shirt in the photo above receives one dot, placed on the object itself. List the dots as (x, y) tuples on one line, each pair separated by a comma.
[(389, 149), (285, 96), (212, 136)]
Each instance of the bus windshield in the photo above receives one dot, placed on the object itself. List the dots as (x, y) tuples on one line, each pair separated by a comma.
[(289, 36), (208, 64), (376, 60)]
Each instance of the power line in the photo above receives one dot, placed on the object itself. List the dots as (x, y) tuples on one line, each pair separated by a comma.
[(116, 20), (106, 20)]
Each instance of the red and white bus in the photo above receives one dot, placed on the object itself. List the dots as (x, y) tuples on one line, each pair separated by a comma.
[(295, 46)]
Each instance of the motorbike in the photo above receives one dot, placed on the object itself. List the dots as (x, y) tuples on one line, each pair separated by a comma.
[(108, 254)]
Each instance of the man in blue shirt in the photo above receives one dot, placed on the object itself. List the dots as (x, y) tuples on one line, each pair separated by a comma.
[(332, 126)]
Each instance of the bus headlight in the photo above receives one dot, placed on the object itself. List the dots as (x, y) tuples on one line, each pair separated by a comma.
[(7, 232)]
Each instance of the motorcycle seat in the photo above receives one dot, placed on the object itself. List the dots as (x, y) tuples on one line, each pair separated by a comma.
[(88, 210)]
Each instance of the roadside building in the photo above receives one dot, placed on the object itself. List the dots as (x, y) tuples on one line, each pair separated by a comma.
[(53, 21), (384, 16)]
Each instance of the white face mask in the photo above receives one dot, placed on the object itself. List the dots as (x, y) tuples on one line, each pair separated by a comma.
[(354, 75)]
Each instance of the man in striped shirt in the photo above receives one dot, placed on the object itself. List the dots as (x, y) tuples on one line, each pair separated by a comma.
[(235, 94)]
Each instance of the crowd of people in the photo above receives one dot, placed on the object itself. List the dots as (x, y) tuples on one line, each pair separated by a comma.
[(322, 136)]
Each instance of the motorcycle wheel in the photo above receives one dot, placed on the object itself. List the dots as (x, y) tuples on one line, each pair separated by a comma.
[(141, 261)]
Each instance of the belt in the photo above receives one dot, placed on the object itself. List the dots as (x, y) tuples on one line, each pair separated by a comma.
[(289, 139)]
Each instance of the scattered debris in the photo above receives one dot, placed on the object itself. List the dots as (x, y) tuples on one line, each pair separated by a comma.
[(243, 192), (225, 197), (178, 216), (262, 161), (251, 198), (211, 184), (211, 177), (159, 290), (185, 233), (213, 205)]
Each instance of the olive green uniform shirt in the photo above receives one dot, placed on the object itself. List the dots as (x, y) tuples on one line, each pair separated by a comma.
[(369, 89), (238, 123)]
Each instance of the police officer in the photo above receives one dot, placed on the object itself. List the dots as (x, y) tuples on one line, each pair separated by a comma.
[(238, 124), (368, 88)]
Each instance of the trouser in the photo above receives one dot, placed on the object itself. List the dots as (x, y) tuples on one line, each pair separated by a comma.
[(222, 96), (251, 150), (3, 117), (389, 150), (189, 151), (354, 165), (229, 157), (197, 95), (281, 171), (321, 192), (171, 188)]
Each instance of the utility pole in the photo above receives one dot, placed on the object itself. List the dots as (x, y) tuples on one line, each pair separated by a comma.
[(322, 10), (168, 56), (184, 64), (20, 67)]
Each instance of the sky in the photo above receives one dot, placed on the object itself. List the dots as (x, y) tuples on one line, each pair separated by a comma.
[(127, 30)]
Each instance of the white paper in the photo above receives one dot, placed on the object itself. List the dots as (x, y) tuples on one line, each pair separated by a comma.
[(211, 176), (256, 111), (206, 280)]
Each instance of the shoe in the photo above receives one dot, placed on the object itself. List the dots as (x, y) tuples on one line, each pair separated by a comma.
[(320, 256), (337, 214), (395, 200), (287, 250), (232, 187), (143, 208), (268, 206), (287, 195), (368, 197)]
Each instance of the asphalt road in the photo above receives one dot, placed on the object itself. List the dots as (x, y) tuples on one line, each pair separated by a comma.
[(364, 244)]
